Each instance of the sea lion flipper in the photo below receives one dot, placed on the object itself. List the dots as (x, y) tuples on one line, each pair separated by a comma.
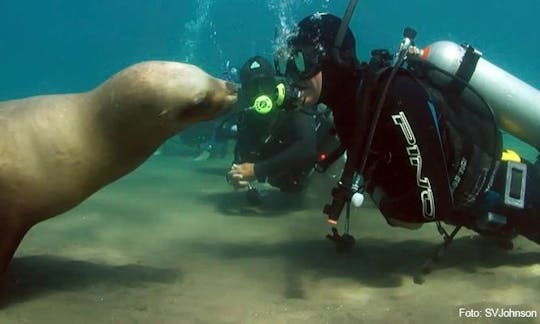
[(10, 237)]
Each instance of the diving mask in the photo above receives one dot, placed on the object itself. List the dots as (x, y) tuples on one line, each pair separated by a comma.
[(300, 64)]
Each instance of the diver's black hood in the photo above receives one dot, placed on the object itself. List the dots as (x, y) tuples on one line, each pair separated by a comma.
[(340, 73), (338, 84)]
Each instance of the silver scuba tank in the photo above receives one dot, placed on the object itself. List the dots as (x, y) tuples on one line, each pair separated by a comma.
[(516, 104)]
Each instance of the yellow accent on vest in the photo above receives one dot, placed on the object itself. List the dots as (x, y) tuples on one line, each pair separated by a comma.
[(509, 155)]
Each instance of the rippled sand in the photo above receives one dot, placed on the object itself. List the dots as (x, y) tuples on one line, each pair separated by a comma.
[(172, 243)]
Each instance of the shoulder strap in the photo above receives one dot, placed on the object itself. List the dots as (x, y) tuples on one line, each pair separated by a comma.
[(357, 152)]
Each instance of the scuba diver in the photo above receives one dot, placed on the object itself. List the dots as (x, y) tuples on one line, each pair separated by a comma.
[(277, 142), (423, 142)]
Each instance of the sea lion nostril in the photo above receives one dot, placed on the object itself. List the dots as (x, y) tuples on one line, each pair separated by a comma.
[(231, 87)]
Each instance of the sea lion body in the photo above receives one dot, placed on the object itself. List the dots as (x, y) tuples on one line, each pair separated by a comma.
[(57, 150)]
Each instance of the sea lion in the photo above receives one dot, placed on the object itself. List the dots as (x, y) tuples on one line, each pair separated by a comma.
[(57, 150)]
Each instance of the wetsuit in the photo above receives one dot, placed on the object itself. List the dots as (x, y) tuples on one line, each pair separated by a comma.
[(283, 147)]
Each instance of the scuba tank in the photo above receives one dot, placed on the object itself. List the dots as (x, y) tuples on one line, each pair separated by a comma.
[(516, 104)]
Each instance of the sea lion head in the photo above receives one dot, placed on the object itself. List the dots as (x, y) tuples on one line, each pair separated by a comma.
[(206, 97), (174, 95), (191, 95)]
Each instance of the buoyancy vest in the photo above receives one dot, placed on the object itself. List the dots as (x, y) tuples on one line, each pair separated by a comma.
[(431, 155)]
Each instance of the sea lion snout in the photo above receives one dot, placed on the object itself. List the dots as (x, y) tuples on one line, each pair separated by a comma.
[(231, 87), (230, 90)]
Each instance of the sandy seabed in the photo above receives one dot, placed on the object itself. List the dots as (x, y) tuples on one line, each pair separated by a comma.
[(173, 243)]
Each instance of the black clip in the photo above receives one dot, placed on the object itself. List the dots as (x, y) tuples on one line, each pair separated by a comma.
[(344, 243)]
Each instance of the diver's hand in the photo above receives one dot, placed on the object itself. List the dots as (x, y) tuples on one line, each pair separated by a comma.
[(241, 175), (237, 182)]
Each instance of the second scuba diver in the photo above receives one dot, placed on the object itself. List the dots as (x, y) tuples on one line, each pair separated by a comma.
[(278, 143)]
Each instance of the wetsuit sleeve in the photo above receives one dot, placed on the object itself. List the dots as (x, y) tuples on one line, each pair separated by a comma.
[(301, 151)]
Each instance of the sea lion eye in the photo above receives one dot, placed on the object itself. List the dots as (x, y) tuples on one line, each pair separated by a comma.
[(199, 97)]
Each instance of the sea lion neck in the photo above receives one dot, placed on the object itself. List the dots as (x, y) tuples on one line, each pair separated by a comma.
[(136, 110)]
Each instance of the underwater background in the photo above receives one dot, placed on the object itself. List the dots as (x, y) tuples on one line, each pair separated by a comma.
[(160, 247), (60, 45)]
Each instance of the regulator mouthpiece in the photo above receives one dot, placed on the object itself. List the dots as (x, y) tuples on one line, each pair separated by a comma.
[(263, 104)]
